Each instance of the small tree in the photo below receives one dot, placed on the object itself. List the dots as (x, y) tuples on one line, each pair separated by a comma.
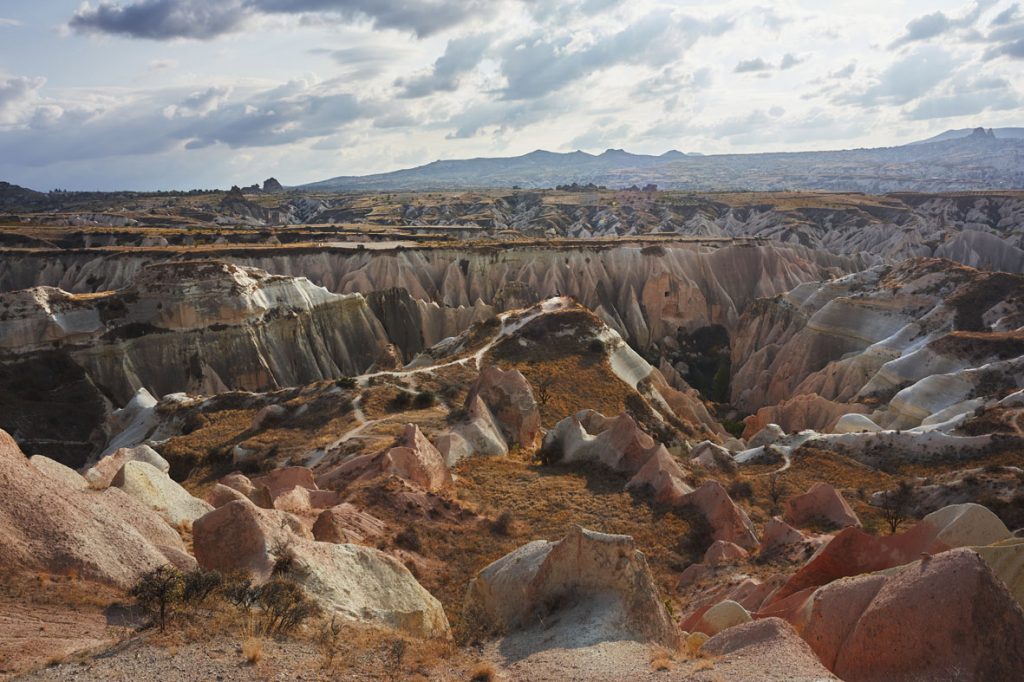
[(896, 505), (159, 591), (776, 489), (544, 390)]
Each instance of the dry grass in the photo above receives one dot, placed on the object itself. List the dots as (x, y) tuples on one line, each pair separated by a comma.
[(482, 672), (252, 651)]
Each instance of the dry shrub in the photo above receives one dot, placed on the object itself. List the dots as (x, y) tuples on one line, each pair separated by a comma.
[(252, 650), (482, 672)]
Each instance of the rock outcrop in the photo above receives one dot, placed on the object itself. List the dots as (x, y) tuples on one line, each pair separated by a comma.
[(821, 503), (156, 490), (354, 582), (50, 526), (945, 615), (727, 521), (602, 571), (413, 459), (768, 649)]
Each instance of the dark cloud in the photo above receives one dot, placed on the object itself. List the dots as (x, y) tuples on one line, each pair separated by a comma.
[(206, 19), (789, 61), (460, 56), (1006, 40)]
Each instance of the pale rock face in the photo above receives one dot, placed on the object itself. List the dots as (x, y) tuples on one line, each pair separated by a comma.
[(221, 494), (356, 583), (946, 612), (58, 472), (855, 423), (1006, 559), (823, 502), (51, 526), (769, 434), (156, 490), (481, 431), (808, 411), (589, 567), (777, 535), (257, 331), (103, 472)]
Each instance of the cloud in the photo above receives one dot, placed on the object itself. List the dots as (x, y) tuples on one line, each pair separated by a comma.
[(536, 66), (1007, 16), (361, 62), (844, 72), (964, 104), (937, 23), (1007, 39), (17, 95), (601, 138), (752, 66), (9, 23), (207, 19), (671, 81), (460, 56), (789, 61), (905, 79)]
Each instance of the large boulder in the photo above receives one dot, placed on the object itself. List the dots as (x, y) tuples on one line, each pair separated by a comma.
[(480, 433), (944, 617), (102, 473), (777, 535), (50, 526), (821, 502), (766, 436), (765, 650), (413, 459), (356, 583), (728, 522), (346, 523), (723, 552), (156, 490), (509, 397), (661, 477), (853, 552), (720, 617), (59, 472), (712, 457), (602, 571)]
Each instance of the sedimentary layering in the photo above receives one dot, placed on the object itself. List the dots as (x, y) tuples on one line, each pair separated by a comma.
[(927, 342), (201, 327), (644, 293)]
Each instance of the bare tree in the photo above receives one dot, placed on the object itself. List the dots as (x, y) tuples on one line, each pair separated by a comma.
[(544, 390), (896, 505), (776, 489)]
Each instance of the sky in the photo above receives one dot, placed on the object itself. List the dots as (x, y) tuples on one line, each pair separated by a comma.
[(180, 94)]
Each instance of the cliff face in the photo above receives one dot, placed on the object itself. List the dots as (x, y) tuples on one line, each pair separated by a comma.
[(644, 293), (199, 327), (918, 343)]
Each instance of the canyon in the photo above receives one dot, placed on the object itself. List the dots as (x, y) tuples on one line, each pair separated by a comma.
[(540, 431)]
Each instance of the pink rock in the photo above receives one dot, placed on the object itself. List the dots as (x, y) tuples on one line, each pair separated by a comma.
[(662, 476), (777, 535), (282, 480), (238, 482), (944, 613), (221, 494), (723, 552), (346, 523), (240, 537), (415, 460), (745, 650), (728, 521), (821, 502)]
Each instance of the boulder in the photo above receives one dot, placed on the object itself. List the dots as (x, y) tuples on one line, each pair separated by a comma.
[(356, 583), (661, 477), (414, 460), (220, 494), (723, 552), (821, 502), (156, 490), (50, 526), (721, 616), (58, 472), (346, 523), (778, 534), (764, 650), (480, 430), (282, 480), (1006, 559), (945, 615), (728, 522), (604, 572), (453, 446), (712, 457), (103, 472), (853, 552), (766, 436), (855, 423), (239, 482), (509, 397)]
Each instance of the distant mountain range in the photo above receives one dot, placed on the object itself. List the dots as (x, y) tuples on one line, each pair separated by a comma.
[(955, 160)]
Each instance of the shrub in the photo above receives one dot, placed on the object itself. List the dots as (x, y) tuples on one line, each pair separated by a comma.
[(284, 606), (456, 415), (345, 382), (159, 592), (284, 558), (550, 453), (503, 524), (401, 401), (596, 346), (198, 585), (409, 539), (741, 490), (700, 537), (425, 399)]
